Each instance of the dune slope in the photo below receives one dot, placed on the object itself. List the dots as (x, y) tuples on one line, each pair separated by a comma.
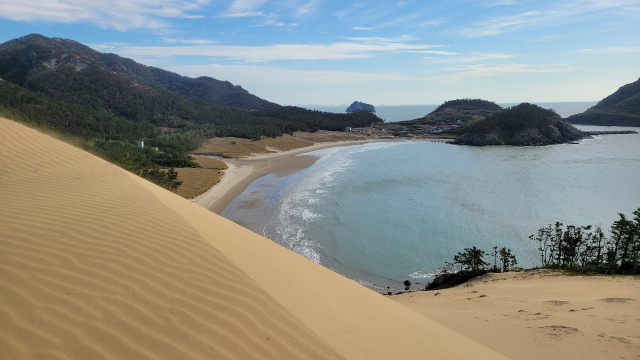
[(98, 263)]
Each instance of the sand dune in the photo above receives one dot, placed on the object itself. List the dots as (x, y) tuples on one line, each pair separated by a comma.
[(98, 263), (541, 314)]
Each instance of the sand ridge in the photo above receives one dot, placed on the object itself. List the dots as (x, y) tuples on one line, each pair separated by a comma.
[(541, 314), (96, 262)]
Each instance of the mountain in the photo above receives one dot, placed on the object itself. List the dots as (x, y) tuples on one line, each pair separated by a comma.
[(107, 104), (360, 106), (621, 108), (522, 125), (67, 69)]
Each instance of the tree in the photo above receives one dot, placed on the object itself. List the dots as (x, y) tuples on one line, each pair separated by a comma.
[(507, 259), (544, 238), (471, 258)]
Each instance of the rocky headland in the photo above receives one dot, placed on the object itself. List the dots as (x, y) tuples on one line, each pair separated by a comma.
[(522, 125), (621, 108)]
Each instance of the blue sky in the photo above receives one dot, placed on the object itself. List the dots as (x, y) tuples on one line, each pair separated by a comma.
[(326, 52)]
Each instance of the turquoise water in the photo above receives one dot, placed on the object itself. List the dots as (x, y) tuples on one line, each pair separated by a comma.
[(381, 213)]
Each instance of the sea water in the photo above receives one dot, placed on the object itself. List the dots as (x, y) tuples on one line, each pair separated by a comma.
[(382, 213)]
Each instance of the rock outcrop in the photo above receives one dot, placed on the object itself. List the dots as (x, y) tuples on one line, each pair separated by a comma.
[(522, 125), (360, 106)]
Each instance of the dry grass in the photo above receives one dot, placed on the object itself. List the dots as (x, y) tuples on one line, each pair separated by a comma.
[(236, 148), (196, 181)]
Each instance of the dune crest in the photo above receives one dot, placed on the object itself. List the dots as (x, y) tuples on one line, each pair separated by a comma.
[(98, 263)]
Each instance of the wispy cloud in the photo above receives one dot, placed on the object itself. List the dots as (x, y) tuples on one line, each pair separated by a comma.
[(188, 41), (362, 28), (355, 48), (306, 9), (429, 23), (475, 57), (547, 15), (117, 14), (261, 74), (611, 50), (245, 8), (460, 73)]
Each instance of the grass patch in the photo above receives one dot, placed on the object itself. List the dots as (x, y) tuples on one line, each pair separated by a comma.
[(196, 181), (237, 148)]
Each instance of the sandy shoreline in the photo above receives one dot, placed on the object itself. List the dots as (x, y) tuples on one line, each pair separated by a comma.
[(242, 172)]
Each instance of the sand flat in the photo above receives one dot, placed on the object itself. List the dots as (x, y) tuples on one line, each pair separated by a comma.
[(98, 263), (541, 314)]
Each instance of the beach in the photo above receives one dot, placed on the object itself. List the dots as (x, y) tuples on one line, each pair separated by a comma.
[(244, 171)]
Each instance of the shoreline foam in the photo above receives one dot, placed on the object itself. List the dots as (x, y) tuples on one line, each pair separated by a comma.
[(244, 171)]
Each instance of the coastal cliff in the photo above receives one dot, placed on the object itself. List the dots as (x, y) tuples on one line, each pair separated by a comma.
[(522, 125)]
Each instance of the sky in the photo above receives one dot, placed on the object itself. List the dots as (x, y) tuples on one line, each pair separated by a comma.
[(326, 52)]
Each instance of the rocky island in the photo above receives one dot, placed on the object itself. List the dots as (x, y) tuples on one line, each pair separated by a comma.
[(464, 110), (621, 108), (522, 125), (447, 117), (360, 106)]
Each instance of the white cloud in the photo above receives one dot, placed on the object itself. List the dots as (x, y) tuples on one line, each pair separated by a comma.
[(430, 23), (476, 56), (353, 49), (306, 9), (362, 28), (436, 52), (259, 74), (461, 73), (551, 15), (117, 14), (245, 8), (611, 50), (188, 41)]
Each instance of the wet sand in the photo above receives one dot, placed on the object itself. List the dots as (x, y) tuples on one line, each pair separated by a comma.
[(242, 172)]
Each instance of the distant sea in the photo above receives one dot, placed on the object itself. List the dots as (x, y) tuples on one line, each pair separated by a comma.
[(382, 213), (410, 112)]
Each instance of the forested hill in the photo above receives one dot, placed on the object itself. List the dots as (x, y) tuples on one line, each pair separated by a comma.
[(71, 75), (66, 69), (108, 103), (522, 125), (452, 110), (621, 108)]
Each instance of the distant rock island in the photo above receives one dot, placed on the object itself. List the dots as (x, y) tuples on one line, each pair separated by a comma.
[(621, 108), (522, 125), (360, 106)]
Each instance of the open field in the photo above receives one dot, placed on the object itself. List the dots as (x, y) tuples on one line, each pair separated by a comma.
[(196, 181)]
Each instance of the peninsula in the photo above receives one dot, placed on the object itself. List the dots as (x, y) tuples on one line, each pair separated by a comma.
[(522, 125), (621, 108)]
